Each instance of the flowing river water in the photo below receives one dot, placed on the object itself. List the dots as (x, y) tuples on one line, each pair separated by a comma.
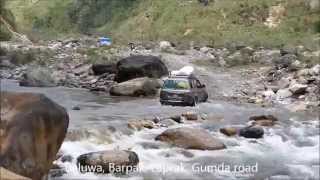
[(290, 150)]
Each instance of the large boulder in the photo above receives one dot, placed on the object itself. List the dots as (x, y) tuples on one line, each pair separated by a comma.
[(37, 77), (8, 175), (99, 69), (109, 161), (32, 130), (190, 138), (136, 87), (140, 66)]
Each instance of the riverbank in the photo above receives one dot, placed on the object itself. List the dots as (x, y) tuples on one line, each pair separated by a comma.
[(288, 76)]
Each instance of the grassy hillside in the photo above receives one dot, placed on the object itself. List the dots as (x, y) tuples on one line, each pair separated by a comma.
[(182, 21)]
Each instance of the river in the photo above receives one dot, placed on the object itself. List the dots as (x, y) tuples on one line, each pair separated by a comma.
[(289, 150)]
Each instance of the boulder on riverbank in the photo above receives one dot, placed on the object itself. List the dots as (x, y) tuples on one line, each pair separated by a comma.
[(108, 161), (140, 66), (190, 138), (136, 87), (37, 77), (32, 130)]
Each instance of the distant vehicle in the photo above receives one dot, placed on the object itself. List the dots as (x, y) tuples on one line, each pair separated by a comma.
[(105, 41), (182, 89)]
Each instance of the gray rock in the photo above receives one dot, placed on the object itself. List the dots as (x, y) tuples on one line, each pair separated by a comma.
[(38, 77), (284, 83), (266, 56), (136, 87), (315, 70), (285, 61), (190, 116), (190, 138), (106, 159), (252, 132), (298, 89), (284, 93), (168, 122), (229, 131)]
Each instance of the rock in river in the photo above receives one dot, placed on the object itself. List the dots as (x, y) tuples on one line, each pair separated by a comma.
[(229, 131), (190, 138), (264, 120), (252, 132), (32, 130), (136, 87), (108, 161), (140, 66)]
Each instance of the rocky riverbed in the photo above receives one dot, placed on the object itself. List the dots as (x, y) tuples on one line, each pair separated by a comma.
[(262, 116), (237, 73)]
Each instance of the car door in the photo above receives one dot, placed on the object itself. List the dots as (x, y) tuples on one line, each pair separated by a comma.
[(201, 91)]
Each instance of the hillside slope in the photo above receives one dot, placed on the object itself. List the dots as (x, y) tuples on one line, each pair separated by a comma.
[(180, 21)]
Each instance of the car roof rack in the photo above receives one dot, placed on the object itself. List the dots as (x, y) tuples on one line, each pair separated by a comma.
[(181, 75)]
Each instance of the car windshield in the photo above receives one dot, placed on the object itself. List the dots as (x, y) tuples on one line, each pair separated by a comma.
[(176, 84)]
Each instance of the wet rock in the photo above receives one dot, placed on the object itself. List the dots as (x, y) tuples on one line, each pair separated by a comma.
[(99, 69), (5, 174), (140, 124), (190, 116), (298, 89), (252, 132), (284, 93), (76, 108), (37, 77), (229, 131), (57, 171), (156, 119), (263, 117), (66, 158), (168, 123), (136, 87), (187, 154), (105, 160), (34, 126), (149, 145), (190, 138), (265, 122), (140, 66), (177, 118)]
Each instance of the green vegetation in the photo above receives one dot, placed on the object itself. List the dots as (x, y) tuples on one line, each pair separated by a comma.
[(179, 21), (9, 18)]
